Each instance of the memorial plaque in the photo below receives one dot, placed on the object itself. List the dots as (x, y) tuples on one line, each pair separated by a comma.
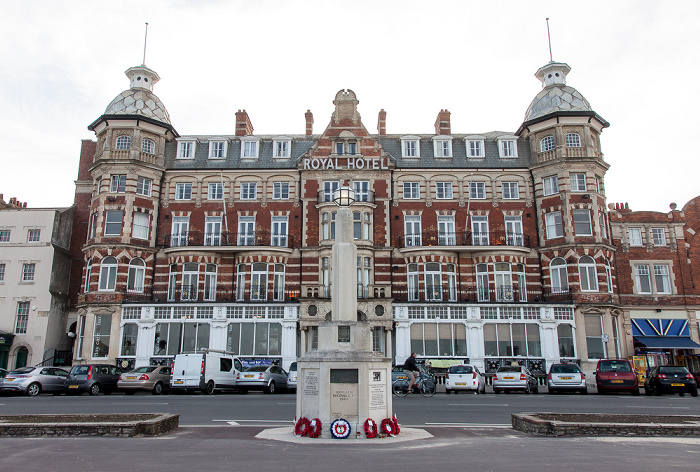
[(310, 387), (377, 395), (344, 402)]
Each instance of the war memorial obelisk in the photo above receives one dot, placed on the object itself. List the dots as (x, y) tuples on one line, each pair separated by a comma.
[(344, 378)]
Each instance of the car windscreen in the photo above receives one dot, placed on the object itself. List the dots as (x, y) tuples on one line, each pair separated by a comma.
[(615, 366), (565, 369), (673, 370), (145, 370), (293, 366), (513, 368), (461, 369), (256, 368)]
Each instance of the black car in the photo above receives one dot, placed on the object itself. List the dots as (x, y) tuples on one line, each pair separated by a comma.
[(93, 378), (670, 379)]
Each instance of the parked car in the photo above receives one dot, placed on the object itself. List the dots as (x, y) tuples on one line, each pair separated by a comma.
[(616, 375), (563, 377), (397, 373), (208, 372), (267, 378), (93, 378), (153, 378), (34, 380), (464, 377), (670, 379), (514, 377), (292, 377)]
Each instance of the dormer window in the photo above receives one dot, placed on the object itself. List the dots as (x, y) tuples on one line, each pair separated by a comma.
[(547, 144), (123, 143), (475, 148), (186, 148), (507, 147), (352, 149), (281, 148), (250, 148), (442, 147), (410, 146), (148, 146), (218, 148), (573, 140), (346, 148)]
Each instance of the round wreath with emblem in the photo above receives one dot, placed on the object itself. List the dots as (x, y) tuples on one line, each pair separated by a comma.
[(340, 429), (370, 428)]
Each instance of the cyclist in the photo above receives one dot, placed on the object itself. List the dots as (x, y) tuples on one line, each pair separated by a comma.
[(410, 368)]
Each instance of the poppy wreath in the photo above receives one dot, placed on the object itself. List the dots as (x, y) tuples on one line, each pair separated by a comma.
[(396, 425), (370, 428), (340, 429), (302, 427), (389, 427), (315, 428)]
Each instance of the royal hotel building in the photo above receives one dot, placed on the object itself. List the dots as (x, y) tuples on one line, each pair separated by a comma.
[(487, 247)]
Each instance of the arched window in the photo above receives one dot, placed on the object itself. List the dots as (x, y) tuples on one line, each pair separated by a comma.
[(433, 281), (137, 272), (504, 282), (148, 146), (108, 273), (558, 276), (190, 281), (123, 143), (547, 144), (588, 276), (482, 282), (573, 140)]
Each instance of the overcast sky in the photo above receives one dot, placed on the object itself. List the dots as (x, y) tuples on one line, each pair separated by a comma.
[(636, 62)]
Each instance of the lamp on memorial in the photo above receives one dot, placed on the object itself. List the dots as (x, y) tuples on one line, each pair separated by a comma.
[(344, 196)]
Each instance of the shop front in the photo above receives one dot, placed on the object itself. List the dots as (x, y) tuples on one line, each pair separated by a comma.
[(663, 342)]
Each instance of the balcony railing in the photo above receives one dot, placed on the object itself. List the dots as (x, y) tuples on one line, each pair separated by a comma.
[(362, 197), (192, 293), (226, 239), (441, 238), (503, 294)]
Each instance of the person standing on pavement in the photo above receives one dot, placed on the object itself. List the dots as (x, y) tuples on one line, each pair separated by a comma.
[(410, 368)]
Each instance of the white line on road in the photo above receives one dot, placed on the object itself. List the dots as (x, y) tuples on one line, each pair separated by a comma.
[(471, 425), (147, 404), (661, 407), (479, 404)]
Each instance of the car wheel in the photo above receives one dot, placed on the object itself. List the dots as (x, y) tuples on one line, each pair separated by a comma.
[(270, 388), (635, 392), (243, 391), (657, 391), (130, 392), (536, 390), (95, 389), (694, 393), (209, 389), (584, 391), (33, 389), (496, 391), (157, 389), (483, 389), (551, 391), (647, 392), (527, 389), (448, 391)]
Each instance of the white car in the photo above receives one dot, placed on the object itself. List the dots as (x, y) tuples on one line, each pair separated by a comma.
[(464, 377), (292, 378)]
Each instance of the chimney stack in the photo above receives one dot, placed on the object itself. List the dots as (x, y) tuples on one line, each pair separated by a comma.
[(309, 122), (442, 123), (243, 125), (381, 123)]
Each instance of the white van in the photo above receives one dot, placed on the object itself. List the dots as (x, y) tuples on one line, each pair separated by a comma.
[(207, 371)]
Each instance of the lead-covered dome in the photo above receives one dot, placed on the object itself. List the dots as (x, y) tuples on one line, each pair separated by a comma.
[(556, 95), (140, 99)]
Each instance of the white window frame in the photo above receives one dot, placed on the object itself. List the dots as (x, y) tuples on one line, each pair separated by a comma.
[(480, 230), (582, 226), (477, 190), (550, 185), (475, 148), (662, 276), (148, 146), (246, 231), (514, 230), (212, 230), (88, 275), (657, 275), (218, 148), (215, 191), (510, 190), (93, 226), (280, 190), (250, 148), (123, 143), (190, 278), (118, 183), (5, 235), (112, 222), (482, 282), (329, 188), (136, 276), (183, 191), (554, 225), (22, 317), (635, 237), (361, 188), (413, 192), (558, 273), (281, 148), (179, 231), (186, 148), (249, 190), (658, 236), (33, 235), (442, 147), (642, 272), (144, 186), (410, 147), (28, 272), (412, 230), (141, 225), (2, 272), (446, 230), (547, 144), (432, 276), (508, 147), (573, 140), (444, 191), (210, 275), (588, 274), (577, 180), (413, 286), (603, 225), (108, 274), (279, 233)]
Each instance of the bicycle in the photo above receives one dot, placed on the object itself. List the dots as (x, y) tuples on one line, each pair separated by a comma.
[(425, 386)]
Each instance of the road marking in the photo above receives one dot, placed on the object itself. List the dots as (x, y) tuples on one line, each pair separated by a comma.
[(661, 407), (233, 423), (146, 404), (479, 404), (472, 425)]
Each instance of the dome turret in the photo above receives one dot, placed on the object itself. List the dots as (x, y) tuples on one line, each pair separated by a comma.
[(140, 99), (555, 96)]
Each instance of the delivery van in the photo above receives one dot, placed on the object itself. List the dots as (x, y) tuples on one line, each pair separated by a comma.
[(207, 371)]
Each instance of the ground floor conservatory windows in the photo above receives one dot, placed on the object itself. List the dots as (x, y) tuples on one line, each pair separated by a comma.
[(254, 339), (439, 339), (512, 339), (176, 338)]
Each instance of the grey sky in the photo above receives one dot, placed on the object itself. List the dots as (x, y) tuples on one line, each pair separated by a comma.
[(635, 62)]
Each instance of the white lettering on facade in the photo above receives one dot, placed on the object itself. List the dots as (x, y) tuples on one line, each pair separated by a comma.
[(351, 164)]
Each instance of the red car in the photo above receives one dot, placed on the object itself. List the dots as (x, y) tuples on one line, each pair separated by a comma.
[(616, 375)]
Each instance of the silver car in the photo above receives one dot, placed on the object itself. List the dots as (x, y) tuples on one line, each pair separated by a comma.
[(292, 377), (153, 378), (33, 380), (514, 377), (566, 377), (267, 378)]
